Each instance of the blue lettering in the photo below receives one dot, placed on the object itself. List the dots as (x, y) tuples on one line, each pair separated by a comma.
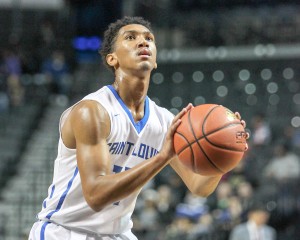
[(141, 152), (133, 153), (129, 147), (146, 153), (152, 152), (121, 148), (117, 169), (113, 147)]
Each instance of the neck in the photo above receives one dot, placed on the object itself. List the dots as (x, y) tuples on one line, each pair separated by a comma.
[(133, 91)]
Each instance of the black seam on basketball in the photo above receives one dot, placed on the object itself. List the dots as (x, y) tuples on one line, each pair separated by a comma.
[(199, 145), (219, 146), (189, 145), (212, 132)]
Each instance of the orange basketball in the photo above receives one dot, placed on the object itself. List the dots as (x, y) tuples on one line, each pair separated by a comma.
[(210, 140)]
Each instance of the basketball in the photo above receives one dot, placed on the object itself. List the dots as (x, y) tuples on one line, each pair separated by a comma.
[(210, 140)]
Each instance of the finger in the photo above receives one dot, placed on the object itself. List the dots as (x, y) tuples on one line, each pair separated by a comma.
[(180, 114), (173, 128), (175, 125), (238, 115), (247, 135), (189, 106), (243, 123)]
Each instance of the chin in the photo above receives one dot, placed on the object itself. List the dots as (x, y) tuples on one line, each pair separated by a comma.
[(146, 66)]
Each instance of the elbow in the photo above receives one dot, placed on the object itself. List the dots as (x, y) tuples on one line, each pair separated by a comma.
[(207, 187), (202, 192), (95, 205)]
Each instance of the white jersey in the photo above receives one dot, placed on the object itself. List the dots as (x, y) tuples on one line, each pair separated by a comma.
[(129, 143)]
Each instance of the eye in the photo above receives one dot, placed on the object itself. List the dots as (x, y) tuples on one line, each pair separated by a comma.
[(149, 38), (130, 37)]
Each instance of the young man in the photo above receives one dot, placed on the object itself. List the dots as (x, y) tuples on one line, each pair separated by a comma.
[(256, 227), (111, 144)]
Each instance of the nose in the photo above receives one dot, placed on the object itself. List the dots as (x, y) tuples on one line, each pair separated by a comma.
[(143, 42)]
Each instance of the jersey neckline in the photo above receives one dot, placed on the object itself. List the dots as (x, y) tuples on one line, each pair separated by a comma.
[(137, 125)]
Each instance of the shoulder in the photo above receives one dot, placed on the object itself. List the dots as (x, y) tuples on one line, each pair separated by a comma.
[(89, 120), (240, 228), (87, 109)]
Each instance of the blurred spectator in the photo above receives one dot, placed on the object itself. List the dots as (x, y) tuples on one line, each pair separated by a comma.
[(192, 207), (168, 177), (284, 165), (47, 34), (11, 63), (261, 131), (296, 138), (149, 217), (179, 229), (203, 227), (259, 151), (221, 197), (256, 227), (293, 135), (165, 203), (57, 70), (16, 91), (235, 210), (245, 194), (219, 204), (146, 218)]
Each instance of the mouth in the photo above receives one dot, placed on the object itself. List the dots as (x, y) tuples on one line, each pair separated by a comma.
[(144, 52)]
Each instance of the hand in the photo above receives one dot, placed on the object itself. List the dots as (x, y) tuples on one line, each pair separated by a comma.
[(237, 114), (167, 150)]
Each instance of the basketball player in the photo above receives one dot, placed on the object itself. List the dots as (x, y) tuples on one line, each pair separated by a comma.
[(111, 144)]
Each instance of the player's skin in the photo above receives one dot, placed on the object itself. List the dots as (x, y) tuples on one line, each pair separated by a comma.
[(88, 126)]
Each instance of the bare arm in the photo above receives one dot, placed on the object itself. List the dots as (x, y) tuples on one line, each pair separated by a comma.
[(86, 129), (196, 183)]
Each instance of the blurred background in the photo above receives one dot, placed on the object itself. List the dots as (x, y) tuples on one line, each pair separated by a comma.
[(242, 54)]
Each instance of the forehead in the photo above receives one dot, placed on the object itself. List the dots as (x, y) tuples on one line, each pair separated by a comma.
[(134, 28)]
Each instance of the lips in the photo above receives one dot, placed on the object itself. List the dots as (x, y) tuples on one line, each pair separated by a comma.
[(144, 52)]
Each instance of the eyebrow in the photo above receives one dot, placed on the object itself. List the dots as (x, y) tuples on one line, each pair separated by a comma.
[(134, 31)]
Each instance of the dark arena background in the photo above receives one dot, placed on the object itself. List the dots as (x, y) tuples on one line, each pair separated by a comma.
[(244, 55)]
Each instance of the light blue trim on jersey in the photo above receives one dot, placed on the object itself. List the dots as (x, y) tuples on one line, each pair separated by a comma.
[(51, 195), (137, 125), (42, 233), (63, 196), (52, 191)]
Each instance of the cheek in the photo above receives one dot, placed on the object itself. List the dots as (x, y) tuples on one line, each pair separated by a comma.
[(123, 50)]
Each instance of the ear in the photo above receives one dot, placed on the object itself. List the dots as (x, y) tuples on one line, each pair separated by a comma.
[(155, 66), (111, 59)]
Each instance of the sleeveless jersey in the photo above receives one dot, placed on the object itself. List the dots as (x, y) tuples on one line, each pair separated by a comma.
[(129, 144)]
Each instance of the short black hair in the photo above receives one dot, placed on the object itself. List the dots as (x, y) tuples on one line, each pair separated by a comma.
[(111, 33)]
